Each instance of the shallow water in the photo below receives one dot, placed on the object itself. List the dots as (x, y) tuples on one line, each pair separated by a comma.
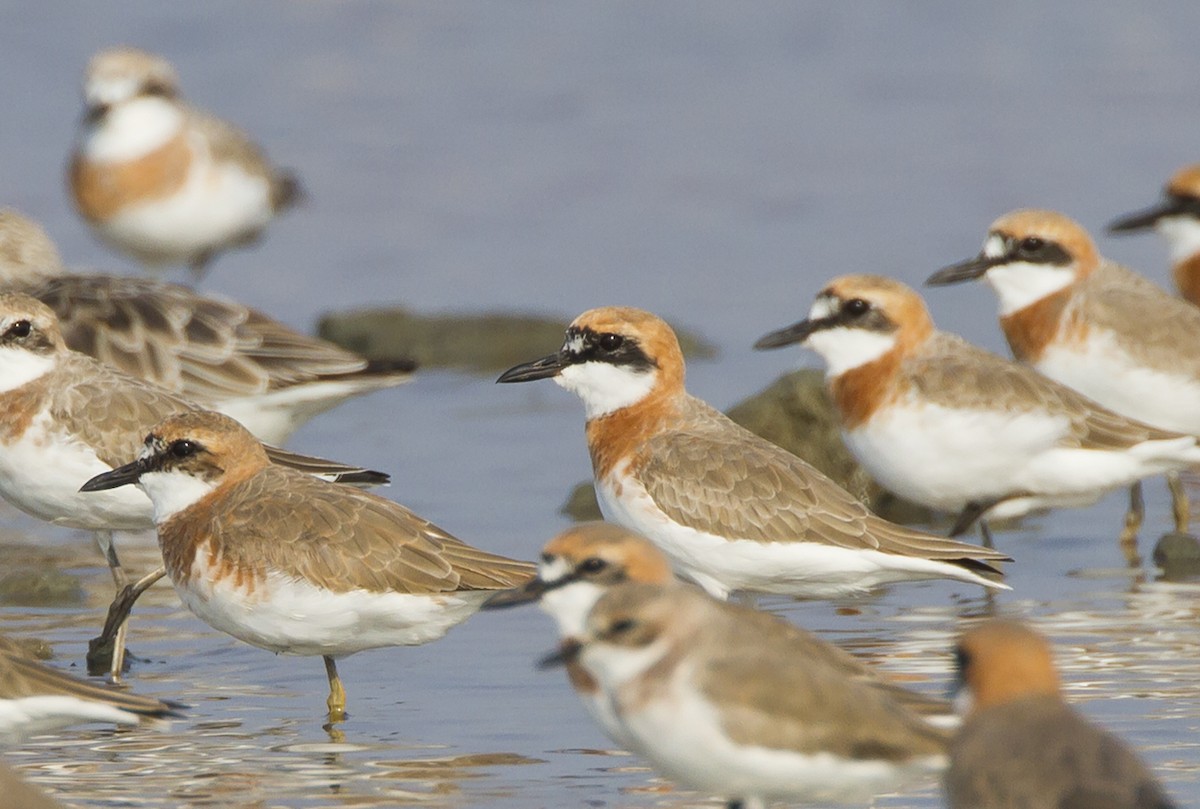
[(713, 162)]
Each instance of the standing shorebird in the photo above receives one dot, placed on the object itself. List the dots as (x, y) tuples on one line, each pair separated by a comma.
[(65, 417), (586, 561), (959, 429), (1022, 745), (1177, 218), (740, 704), (161, 180), (731, 510), (293, 564), (213, 351), (1091, 324)]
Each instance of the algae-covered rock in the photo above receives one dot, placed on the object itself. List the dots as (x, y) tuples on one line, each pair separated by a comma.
[(40, 587), (795, 413), (487, 342)]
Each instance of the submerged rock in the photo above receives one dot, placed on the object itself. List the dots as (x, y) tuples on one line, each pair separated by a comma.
[(1178, 555), (795, 413), (487, 342)]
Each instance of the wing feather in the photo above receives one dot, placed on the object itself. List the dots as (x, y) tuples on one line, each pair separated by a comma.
[(719, 478), (346, 539), (206, 348)]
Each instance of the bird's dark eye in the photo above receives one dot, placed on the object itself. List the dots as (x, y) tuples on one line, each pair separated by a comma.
[(157, 88), (547, 558), (611, 342), (184, 448), (593, 565), (20, 329), (856, 307), (1030, 245), (622, 626)]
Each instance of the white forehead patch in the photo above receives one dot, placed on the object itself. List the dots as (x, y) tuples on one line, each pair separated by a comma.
[(993, 246), (824, 306), (553, 570), (112, 89), (574, 344)]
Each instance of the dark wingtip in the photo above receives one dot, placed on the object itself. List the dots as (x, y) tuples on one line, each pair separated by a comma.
[(392, 365), (173, 710), (287, 191), (527, 593), (365, 477)]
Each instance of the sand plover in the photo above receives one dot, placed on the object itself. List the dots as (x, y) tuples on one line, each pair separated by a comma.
[(293, 564), (211, 350), (35, 699), (65, 417), (1177, 218), (584, 562), (1091, 324), (731, 510), (959, 429), (733, 702), (1022, 745), (161, 180)]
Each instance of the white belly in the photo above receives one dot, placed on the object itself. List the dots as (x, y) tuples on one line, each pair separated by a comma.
[(945, 458), (1100, 370), (294, 617), (218, 204), (789, 567), (41, 475), (681, 733)]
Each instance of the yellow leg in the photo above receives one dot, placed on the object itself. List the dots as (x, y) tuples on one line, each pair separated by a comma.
[(1179, 503), (337, 694), (1133, 524)]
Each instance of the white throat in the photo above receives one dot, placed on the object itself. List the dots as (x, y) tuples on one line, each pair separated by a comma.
[(1021, 283), (19, 367), (606, 388), (845, 349), (570, 604), (613, 666), (1183, 236), (172, 492), (133, 129)]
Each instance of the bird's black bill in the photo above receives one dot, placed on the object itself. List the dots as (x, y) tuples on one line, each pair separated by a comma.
[(567, 652), (121, 476), (1147, 219), (967, 270), (795, 333), (544, 368)]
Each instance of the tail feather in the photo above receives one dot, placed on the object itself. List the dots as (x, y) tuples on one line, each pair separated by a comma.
[(286, 190)]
